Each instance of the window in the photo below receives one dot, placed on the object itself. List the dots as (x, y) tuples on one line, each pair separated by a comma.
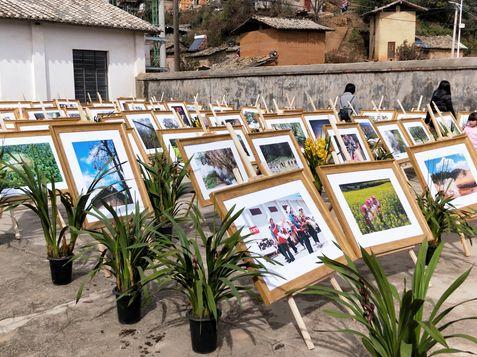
[(255, 211), (90, 74), (391, 50), (273, 209)]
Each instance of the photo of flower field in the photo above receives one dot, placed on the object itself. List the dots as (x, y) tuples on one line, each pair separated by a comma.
[(451, 174), (296, 129), (39, 154), (375, 205)]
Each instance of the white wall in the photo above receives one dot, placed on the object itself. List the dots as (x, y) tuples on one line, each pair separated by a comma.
[(36, 61)]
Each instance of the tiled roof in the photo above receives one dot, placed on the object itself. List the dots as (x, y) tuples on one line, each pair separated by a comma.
[(97, 13), (280, 23), (436, 42), (403, 3)]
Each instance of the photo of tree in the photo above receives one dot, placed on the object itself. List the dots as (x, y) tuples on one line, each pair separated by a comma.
[(395, 141), (215, 168), (368, 131), (418, 134), (147, 132), (40, 154), (169, 123), (296, 129), (252, 119), (96, 156), (279, 157), (317, 126), (375, 205), (451, 174)]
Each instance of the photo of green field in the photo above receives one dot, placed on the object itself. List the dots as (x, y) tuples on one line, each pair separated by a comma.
[(375, 205)]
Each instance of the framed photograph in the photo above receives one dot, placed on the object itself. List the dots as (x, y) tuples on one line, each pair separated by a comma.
[(393, 138), (67, 104), (32, 147), (315, 121), (15, 105), (136, 144), (96, 113), (367, 128), (291, 122), (374, 205), (192, 107), (379, 115), (87, 149), (39, 114), (448, 165), (105, 104), (447, 124), (417, 131), (241, 135), (168, 120), (72, 113), (221, 108), (287, 221), (156, 106), (31, 125), (354, 141), (146, 127), (47, 104), (231, 117), (135, 106), (168, 139), (181, 110), (279, 151), (252, 118), (213, 160), (411, 115), (123, 100), (462, 118)]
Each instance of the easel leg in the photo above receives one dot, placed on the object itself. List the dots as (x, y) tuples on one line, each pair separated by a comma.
[(465, 245), (413, 256), (337, 287), (300, 323), (15, 224)]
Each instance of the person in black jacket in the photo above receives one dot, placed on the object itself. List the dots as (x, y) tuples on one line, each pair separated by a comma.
[(443, 99)]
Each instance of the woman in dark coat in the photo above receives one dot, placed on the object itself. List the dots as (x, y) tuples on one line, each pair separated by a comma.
[(442, 98)]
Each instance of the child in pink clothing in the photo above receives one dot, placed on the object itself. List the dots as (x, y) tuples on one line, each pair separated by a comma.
[(471, 129)]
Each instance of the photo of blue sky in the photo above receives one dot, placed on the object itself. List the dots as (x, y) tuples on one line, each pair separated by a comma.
[(447, 163), (317, 126)]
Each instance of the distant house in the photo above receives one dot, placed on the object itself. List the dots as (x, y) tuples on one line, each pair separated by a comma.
[(296, 41), (69, 48), (389, 27), (436, 46)]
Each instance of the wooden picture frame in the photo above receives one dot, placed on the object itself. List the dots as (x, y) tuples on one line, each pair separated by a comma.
[(252, 118), (104, 104), (221, 108), (146, 126), (316, 120), (393, 144), (379, 115), (156, 106), (43, 151), (8, 117), (181, 111), (24, 104), (48, 113), (71, 142), (32, 125), (67, 104), (416, 138), (292, 122), (47, 104), (462, 118), (96, 113), (190, 149), (446, 122), (367, 127), (242, 136), (345, 130), (136, 144), (374, 222), (233, 118), (135, 106), (123, 100), (168, 139), (411, 115), (279, 137), (167, 119), (280, 196), (455, 156), (72, 113)]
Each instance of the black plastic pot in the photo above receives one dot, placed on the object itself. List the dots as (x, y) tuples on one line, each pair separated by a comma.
[(203, 333), (430, 253), (61, 270), (129, 312)]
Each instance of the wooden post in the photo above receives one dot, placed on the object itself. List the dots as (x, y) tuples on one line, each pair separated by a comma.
[(246, 160), (89, 98), (237, 175), (465, 245), (402, 108), (162, 97), (437, 125), (213, 113), (264, 104), (16, 230), (82, 113), (338, 135), (311, 101), (277, 108), (89, 114), (336, 101), (420, 103), (99, 97), (300, 323), (199, 117), (293, 103), (257, 100), (413, 255), (288, 101), (260, 116), (375, 107), (381, 102), (337, 287)]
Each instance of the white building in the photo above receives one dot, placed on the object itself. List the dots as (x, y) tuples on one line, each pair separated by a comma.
[(68, 48)]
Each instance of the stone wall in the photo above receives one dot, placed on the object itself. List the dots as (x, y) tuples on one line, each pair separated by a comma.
[(395, 80)]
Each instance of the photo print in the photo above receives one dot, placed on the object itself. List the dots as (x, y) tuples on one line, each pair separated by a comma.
[(93, 149), (448, 166), (293, 123), (213, 162), (181, 110), (35, 114), (232, 118), (374, 205), (447, 124), (462, 118), (368, 129), (381, 115), (354, 143), (284, 220), (252, 118), (35, 148), (168, 139), (168, 120), (146, 127), (316, 121), (242, 137), (394, 139), (417, 131)]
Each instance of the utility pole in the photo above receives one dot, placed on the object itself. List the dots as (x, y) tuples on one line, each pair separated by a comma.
[(460, 27), (177, 50)]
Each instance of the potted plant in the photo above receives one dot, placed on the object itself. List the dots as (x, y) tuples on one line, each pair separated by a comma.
[(442, 217), (165, 186), (41, 196), (317, 153), (395, 323), (207, 270), (128, 251)]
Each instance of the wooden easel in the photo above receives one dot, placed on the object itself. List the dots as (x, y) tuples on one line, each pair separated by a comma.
[(434, 120), (313, 106), (419, 104), (402, 108), (277, 108), (264, 104)]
